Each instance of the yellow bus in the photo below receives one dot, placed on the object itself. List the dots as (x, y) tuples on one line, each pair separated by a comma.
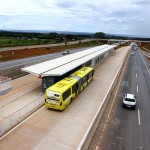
[(85, 76), (60, 95)]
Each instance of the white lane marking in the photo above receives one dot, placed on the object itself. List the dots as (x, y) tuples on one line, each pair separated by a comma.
[(136, 68), (145, 63), (139, 119), (136, 75), (21, 123), (137, 87)]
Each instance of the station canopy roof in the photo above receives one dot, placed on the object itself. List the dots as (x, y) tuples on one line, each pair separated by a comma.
[(62, 65)]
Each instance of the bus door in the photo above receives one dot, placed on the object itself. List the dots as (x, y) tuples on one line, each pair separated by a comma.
[(76, 90), (79, 85)]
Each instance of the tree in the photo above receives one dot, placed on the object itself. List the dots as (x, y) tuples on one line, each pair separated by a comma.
[(100, 35)]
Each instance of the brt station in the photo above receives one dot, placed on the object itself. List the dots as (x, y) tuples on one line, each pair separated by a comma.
[(54, 70), (74, 127)]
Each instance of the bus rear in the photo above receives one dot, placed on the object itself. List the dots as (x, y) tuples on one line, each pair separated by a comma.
[(53, 99), (60, 95)]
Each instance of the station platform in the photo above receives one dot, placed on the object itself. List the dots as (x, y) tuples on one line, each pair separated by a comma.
[(48, 129)]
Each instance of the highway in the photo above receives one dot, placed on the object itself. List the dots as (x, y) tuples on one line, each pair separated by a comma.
[(126, 129), (36, 59)]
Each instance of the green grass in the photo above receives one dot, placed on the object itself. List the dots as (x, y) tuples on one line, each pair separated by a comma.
[(85, 44), (10, 42)]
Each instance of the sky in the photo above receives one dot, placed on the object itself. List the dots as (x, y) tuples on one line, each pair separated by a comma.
[(130, 17)]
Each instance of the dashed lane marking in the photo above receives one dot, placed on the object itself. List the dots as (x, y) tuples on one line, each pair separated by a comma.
[(139, 118)]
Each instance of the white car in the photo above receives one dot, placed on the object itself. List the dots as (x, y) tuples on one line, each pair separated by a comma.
[(129, 101), (66, 52)]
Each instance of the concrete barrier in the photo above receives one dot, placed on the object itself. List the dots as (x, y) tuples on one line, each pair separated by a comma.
[(94, 124), (19, 92), (5, 84)]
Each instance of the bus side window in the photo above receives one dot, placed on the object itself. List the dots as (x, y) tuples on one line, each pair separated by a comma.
[(66, 94)]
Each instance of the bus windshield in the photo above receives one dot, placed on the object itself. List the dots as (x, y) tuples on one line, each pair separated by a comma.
[(53, 95)]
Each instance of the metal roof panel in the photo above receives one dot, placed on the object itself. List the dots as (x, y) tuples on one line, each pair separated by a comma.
[(63, 64)]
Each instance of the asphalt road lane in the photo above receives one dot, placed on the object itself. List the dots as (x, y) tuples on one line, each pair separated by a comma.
[(144, 101), (127, 129), (34, 60)]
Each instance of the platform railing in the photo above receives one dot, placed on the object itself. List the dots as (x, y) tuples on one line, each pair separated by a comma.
[(18, 116)]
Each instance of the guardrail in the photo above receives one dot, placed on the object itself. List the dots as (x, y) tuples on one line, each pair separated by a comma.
[(90, 131), (14, 119)]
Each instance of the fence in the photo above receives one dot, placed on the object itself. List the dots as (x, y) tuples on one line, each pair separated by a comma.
[(14, 119)]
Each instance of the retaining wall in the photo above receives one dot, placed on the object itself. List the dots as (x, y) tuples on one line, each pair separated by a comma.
[(19, 92)]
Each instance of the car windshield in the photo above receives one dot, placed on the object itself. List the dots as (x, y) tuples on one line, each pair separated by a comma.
[(129, 100)]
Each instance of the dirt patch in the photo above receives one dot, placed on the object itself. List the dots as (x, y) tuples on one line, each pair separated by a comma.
[(25, 53)]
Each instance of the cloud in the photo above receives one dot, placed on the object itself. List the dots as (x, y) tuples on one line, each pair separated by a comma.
[(141, 2), (126, 16), (66, 4)]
